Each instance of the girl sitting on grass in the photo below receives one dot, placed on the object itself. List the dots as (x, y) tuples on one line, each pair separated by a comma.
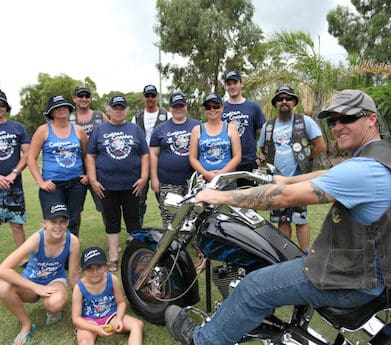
[(45, 274), (98, 305)]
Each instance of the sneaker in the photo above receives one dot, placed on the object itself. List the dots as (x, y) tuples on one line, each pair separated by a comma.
[(180, 324)]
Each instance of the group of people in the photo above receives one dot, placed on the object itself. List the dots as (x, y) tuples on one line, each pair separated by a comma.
[(117, 159)]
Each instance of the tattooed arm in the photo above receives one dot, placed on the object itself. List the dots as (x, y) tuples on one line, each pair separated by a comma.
[(267, 197)]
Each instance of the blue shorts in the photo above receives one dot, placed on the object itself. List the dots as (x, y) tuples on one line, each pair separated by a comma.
[(12, 206)]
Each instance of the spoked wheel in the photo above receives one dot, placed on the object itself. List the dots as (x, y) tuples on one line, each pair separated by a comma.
[(148, 301)]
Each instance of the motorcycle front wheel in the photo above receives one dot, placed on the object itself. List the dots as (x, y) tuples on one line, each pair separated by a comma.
[(148, 301)]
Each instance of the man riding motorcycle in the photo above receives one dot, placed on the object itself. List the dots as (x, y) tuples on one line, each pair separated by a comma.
[(349, 262)]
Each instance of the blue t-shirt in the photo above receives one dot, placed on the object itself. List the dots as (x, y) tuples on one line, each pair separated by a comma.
[(284, 159), (118, 150), (98, 306), (42, 269), (174, 141), (214, 151), (362, 185), (61, 157), (12, 135), (248, 118)]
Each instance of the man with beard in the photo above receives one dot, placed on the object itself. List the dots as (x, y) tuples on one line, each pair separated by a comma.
[(291, 142)]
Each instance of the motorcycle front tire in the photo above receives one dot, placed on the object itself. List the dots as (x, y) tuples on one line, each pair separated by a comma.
[(135, 257)]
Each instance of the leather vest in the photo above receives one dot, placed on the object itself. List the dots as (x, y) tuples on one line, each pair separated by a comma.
[(161, 117), (343, 255), (300, 144)]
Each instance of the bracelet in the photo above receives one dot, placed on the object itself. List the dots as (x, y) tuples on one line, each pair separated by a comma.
[(16, 171)]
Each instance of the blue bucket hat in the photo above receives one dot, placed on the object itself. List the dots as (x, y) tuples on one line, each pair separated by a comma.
[(57, 102)]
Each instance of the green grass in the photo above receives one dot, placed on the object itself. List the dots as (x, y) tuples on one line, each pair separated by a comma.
[(92, 233)]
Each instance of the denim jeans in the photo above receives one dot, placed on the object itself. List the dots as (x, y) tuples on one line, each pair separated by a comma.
[(263, 290), (71, 193)]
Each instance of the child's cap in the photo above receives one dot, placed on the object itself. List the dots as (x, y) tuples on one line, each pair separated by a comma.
[(92, 255), (56, 209)]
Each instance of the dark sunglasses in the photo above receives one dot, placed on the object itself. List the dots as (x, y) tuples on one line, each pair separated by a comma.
[(344, 119), (287, 98), (215, 106), (84, 95), (3, 104), (149, 95)]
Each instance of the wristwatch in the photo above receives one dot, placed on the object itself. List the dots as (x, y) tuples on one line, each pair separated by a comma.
[(16, 171)]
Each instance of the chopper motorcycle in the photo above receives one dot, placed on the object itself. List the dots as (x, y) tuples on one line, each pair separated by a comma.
[(157, 269)]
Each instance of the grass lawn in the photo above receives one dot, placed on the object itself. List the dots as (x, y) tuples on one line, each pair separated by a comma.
[(92, 233)]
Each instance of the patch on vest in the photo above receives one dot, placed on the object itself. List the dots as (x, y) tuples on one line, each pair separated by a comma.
[(336, 215)]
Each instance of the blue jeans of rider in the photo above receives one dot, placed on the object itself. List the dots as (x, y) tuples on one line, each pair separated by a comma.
[(264, 290)]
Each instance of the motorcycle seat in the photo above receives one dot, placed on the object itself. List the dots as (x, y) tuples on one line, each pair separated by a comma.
[(354, 318)]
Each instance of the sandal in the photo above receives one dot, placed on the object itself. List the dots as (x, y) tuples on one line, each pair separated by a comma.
[(53, 318), (26, 338), (112, 266)]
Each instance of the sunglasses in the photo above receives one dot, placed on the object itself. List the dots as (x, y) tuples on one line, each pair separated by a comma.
[(84, 95), (287, 98), (3, 104), (344, 119), (215, 106), (149, 95)]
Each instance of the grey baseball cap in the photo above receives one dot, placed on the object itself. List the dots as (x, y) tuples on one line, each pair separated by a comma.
[(349, 102)]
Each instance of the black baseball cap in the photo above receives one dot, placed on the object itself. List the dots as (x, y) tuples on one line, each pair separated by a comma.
[(92, 255)]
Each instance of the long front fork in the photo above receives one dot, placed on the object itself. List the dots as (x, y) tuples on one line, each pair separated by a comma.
[(164, 243)]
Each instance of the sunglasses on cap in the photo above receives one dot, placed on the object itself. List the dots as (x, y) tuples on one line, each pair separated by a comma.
[(287, 98), (3, 104), (150, 95), (345, 119), (214, 106), (84, 95)]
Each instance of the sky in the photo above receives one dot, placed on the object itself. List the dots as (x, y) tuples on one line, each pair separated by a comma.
[(113, 42)]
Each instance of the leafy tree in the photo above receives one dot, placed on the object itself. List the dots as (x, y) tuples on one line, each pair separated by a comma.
[(34, 98), (209, 37), (368, 33)]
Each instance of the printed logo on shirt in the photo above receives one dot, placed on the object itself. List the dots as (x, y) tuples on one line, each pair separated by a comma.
[(118, 144), (240, 120), (7, 145), (215, 153), (45, 270), (283, 141), (100, 307), (179, 142), (65, 153)]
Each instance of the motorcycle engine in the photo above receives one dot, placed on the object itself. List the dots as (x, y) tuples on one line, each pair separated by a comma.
[(225, 276)]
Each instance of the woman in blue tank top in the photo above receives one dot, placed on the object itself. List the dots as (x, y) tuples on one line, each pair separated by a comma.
[(63, 147), (215, 145)]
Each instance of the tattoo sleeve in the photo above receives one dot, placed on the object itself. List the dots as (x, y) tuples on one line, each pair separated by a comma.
[(320, 194), (260, 198)]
